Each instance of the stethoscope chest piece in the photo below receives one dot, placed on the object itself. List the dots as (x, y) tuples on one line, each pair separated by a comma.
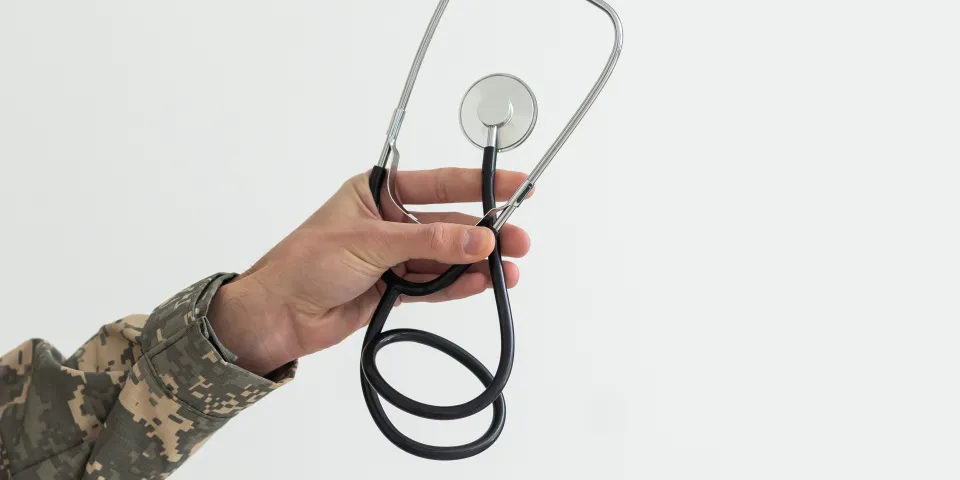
[(502, 101)]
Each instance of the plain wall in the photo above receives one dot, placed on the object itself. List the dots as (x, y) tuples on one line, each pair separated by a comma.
[(745, 261)]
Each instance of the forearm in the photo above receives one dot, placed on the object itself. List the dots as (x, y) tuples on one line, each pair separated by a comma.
[(138, 399)]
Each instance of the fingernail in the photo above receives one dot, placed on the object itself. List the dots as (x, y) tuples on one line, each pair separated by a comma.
[(474, 240)]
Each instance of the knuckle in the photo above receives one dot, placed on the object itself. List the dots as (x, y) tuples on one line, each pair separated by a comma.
[(437, 236), (366, 242), (356, 180), (374, 235), (442, 188), (379, 240)]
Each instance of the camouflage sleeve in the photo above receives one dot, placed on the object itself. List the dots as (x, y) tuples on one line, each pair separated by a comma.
[(136, 401)]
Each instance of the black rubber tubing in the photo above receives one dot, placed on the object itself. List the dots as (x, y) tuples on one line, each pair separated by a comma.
[(373, 384)]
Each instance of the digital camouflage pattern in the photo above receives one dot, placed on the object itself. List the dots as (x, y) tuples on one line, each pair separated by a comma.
[(136, 401)]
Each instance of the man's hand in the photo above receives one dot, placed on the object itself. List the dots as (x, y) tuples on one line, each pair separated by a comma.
[(322, 282)]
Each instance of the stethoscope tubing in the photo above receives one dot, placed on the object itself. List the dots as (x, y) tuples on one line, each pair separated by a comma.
[(374, 386)]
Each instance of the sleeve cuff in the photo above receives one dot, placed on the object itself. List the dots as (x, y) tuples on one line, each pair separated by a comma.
[(185, 355), (207, 329)]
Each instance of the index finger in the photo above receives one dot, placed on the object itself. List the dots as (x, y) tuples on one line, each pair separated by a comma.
[(454, 185)]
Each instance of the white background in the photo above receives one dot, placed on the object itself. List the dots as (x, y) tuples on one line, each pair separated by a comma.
[(745, 260)]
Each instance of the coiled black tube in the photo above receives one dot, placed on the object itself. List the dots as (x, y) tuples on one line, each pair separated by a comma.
[(373, 384)]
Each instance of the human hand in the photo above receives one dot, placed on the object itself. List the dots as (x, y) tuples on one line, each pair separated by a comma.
[(322, 282)]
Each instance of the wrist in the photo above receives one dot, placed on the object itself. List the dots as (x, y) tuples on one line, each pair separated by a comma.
[(250, 323)]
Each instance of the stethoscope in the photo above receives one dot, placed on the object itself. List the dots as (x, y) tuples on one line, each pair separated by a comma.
[(497, 114)]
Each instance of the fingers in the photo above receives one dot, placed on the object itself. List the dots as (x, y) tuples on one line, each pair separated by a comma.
[(385, 244), (514, 241), (436, 268), (469, 284), (454, 185)]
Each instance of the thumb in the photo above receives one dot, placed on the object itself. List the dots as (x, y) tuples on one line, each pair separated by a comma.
[(387, 244)]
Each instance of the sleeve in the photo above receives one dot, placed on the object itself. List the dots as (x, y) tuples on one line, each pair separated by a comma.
[(135, 401)]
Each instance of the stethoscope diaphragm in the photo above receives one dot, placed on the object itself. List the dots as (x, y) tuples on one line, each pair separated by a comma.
[(499, 100)]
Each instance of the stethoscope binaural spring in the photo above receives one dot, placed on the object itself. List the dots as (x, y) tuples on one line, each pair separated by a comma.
[(497, 114)]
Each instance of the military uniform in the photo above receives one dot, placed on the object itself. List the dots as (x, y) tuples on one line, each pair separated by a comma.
[(135, 401)]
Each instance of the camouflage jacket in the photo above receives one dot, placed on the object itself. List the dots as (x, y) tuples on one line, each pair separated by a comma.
[(135, 401)]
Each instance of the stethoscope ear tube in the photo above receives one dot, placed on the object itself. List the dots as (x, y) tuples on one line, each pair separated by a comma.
[(504, 212)]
